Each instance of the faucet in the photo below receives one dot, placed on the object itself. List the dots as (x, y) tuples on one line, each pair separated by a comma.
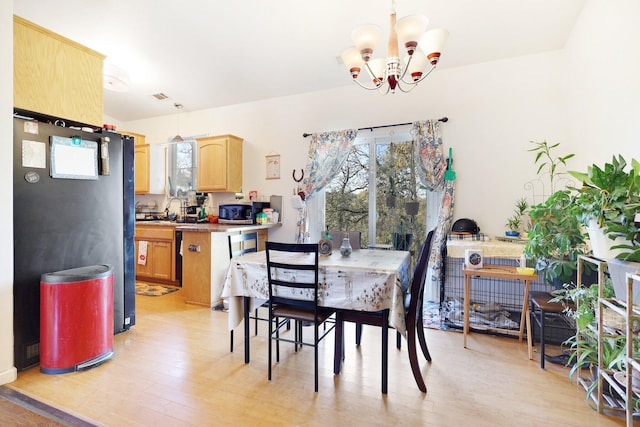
[(171, 199)]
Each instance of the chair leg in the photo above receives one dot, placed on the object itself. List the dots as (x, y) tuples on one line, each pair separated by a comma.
[(256, 320), (315, 353), (277, 341), (542, 339), (423, 343), (270, 343), (385, 351), (413, 356), (358, 333), (231, 341)]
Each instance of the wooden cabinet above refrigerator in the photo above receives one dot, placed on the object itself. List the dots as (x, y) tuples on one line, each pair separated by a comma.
[(56, 76)]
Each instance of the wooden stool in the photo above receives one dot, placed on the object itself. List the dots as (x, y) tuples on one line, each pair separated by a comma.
[(540, 303)]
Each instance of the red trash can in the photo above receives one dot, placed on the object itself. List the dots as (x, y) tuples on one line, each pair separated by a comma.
[(76, 319)]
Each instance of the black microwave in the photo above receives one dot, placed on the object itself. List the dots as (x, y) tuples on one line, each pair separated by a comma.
[(235, 212), (241, 213)]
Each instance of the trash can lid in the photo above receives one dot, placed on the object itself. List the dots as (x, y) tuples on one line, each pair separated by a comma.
[(77, 274)]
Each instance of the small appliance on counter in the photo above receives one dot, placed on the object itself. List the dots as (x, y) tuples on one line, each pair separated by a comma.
[(241, 213), (235, 214)]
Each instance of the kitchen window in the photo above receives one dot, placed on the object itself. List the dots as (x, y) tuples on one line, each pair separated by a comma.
[(378, 193), (182, 167)]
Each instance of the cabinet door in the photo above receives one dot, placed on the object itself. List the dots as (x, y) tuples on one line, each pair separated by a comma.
[(212, 165), (196, 267), (162, 257), (141, 168), (145, 270), (219, 163), (263, 235), (56, 76)]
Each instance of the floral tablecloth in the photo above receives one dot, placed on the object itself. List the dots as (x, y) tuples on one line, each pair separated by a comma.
[(367, 280)]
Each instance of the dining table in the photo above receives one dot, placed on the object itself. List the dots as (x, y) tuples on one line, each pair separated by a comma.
[(367, 280)]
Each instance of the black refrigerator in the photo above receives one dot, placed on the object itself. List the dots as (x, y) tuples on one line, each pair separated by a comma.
[(73, 206)]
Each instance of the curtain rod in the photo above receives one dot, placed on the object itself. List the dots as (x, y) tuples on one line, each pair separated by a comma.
[(371, 128)]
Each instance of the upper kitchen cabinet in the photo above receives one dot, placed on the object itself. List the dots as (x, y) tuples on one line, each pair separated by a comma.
[(141, 168), (219, 164), (150, 166), (56, 76)]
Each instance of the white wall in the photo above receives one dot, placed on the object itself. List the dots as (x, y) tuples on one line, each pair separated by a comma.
[(7, 370), (603, 81), (494, 110)]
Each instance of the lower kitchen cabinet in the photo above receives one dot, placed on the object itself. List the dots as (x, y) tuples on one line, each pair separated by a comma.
[(160, 259), (196, 267), (205, 260)]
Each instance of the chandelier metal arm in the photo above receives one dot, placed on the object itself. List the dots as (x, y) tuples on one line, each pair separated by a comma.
[(424, 75), (366, 87), (376, 86)]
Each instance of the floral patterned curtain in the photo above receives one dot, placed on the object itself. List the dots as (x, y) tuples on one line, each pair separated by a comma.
[(432, 170), (327, 151)]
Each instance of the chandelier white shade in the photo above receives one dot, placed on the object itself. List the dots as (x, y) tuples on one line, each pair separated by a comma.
[(422, 49)]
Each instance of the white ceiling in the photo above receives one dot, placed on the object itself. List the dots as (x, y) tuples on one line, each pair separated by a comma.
[(210, 53)]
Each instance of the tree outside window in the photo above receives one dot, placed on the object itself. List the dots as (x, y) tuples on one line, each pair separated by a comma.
[(397, 214)]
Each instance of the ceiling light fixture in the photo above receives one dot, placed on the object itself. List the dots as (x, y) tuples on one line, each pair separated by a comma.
[(114, 78), (388, 74), (178, 138)]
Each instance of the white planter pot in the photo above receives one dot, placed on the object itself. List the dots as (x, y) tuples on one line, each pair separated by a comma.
[(601, 244), (618, 270)]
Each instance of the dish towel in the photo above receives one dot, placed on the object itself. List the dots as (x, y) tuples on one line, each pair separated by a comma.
[(142, 252)]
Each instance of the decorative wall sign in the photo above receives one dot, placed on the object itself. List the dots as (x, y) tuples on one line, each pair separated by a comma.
[(273, 166)]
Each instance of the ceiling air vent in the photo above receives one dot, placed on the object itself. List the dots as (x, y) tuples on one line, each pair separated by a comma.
[(160, 96)]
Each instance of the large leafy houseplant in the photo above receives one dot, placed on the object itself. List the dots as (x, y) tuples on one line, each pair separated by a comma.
[(555, 238), (610, 199)]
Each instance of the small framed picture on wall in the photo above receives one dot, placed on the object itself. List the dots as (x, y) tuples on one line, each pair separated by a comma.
[(273, 166)]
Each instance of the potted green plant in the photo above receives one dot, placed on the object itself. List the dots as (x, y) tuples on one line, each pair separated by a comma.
[(607, 204), (555, 239), (515, 223)]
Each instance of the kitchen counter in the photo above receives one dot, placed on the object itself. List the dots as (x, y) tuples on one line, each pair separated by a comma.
[(208, 227), (205, 258)]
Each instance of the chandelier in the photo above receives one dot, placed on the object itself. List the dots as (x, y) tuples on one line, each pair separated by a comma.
[(388, 74)]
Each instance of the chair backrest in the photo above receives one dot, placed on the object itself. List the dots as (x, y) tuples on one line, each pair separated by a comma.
[(240, 244), (354, 238), (292, 272), (419, 274)]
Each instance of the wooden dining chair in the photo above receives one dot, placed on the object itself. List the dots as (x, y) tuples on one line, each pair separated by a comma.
[(413, 319), (240, 244), (292, 272)]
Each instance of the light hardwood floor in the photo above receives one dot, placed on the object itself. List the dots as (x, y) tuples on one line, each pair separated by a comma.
[(174, 368)]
